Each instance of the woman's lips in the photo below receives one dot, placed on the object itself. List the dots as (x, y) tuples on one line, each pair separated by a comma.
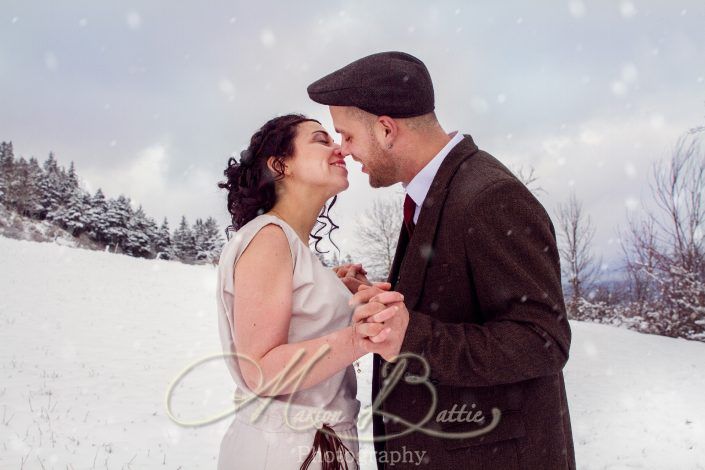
[(340, 164)]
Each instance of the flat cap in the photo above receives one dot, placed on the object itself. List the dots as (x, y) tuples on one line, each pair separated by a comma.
[(394, 84)]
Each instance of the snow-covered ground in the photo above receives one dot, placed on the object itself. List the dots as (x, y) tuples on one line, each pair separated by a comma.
[(91, 341)]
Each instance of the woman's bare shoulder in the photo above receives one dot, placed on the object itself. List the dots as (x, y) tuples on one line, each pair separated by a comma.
[(269, 244)]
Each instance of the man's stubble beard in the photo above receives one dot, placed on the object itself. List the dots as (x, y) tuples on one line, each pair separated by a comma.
[(383, 173)]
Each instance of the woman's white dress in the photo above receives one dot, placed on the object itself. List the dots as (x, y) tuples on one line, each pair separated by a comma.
[(281, 437)]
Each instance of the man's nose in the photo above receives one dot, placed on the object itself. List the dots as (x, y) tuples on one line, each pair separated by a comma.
[(342, 151)]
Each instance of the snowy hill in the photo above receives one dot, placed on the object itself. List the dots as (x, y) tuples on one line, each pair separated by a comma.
[(13, 225), (90, 342)]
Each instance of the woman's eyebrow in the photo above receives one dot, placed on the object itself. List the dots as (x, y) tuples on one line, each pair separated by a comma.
[(322, 132)]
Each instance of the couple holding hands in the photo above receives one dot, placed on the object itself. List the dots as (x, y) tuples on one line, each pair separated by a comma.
[(469, 335)]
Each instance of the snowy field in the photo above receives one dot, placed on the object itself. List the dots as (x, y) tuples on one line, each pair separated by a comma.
[(91, 341)]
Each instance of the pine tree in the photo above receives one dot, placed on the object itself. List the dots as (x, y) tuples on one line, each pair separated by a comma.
[(152, 230), (72, 177), (50, 189), (35, 175), (118, 215), (20, 190), (23, 194), (199, 237), (140, 233), (97, 221), (212, 241), (184, 243), (66, 187), (7, 166), (162, 243), (72, 212), (74, 215)]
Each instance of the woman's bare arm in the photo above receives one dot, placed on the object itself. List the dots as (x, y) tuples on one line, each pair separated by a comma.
[(263, 286)]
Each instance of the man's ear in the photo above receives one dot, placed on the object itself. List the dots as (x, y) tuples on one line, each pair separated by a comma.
[(389, 130)]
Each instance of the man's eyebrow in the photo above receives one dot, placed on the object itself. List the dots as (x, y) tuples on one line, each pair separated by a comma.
[(338, 131)]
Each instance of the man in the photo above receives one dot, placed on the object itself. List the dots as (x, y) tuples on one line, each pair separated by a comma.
[(482, 330)]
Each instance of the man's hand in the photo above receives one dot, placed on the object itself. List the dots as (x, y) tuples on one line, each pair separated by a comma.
[(352, 275), (375, 306)]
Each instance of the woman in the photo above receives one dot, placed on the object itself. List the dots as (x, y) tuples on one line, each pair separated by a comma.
[(284, 318)]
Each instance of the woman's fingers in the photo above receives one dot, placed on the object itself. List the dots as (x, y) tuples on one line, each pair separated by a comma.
[(350, 283), (343, 269)]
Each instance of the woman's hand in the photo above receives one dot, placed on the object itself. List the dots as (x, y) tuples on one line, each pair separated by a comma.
[(353, 275)]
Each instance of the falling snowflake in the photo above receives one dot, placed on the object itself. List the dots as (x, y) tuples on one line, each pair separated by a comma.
[(227, 88), (631, 203), (134, 20), (630, 170), (657, 121), (50, 61), (576, 8), (627, 9), (267, 38)]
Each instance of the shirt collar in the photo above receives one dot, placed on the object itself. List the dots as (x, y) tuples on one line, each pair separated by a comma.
[(418, 187)]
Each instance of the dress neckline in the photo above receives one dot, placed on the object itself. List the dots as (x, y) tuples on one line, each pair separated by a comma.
[(308, 249)]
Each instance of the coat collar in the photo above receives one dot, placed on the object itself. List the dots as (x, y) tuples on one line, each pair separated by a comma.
[(411, 263)]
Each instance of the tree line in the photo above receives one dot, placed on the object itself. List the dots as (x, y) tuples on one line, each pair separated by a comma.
[(49, 192), (662, 290)]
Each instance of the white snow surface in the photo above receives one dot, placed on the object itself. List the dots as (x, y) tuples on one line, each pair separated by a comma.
[(91, 341)]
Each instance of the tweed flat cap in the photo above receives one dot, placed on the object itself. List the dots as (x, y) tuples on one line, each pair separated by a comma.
[(393, 84)]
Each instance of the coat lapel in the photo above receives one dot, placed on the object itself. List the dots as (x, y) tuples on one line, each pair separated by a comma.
[(413, 260)]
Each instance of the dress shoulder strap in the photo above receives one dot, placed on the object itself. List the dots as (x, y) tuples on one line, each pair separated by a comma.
[(233, 249)]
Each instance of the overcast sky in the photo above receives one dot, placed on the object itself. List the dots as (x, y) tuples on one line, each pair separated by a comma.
[(150, 99)]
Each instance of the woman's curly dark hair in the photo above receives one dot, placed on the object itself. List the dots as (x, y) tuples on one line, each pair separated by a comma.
[(250, 182)]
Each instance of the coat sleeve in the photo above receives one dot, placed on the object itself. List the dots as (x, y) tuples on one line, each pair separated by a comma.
[(514, 269)]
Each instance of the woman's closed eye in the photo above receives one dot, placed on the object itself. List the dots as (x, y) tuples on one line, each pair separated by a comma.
[(322, 138)]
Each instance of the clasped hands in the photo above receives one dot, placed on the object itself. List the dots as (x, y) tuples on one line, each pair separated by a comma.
[(380, 317)]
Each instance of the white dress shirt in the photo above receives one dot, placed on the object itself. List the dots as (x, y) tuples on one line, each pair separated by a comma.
[(418, 187)]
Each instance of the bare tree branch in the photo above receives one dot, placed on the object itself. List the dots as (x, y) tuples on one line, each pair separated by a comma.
[(377, 235), (577, 234)]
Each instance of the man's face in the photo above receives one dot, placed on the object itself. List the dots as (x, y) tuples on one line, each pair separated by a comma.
[(358, 140)]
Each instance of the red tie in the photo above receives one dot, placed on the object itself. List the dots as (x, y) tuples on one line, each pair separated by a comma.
[(409, 209)]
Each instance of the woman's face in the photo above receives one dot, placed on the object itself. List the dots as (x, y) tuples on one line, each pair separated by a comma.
[(317, 161)]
